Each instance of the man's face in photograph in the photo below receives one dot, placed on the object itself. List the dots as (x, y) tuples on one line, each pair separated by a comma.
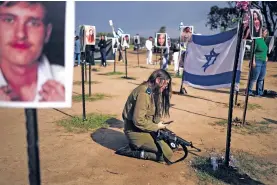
[(23, 32), (161, 39)]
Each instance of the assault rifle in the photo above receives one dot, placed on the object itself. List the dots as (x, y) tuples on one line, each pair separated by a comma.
[(174, 141)]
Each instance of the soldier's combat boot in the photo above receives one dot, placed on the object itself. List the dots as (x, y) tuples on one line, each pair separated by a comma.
[(151, 156), (127, 151)]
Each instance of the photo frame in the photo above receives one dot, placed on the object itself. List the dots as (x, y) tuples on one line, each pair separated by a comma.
[(90, 35), (136, 40), (186, 33), (125, 40), (169, 42), (256, 23), (115, 44), (55, 67), (246, 26), (161, 40)]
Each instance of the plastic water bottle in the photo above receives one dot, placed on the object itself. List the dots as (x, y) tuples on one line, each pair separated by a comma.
[(214, 163), (233, 161)]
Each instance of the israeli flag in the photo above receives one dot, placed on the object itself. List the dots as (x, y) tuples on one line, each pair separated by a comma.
[(210, 59), (120, 32)]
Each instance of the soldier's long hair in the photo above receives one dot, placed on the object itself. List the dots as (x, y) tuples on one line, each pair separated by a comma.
[(161, 100)]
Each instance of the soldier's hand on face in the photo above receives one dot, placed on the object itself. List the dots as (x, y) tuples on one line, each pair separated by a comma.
[(52, 91), (6, 94), (161, 125)]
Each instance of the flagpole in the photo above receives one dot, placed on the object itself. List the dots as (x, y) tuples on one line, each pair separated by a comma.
[(182, 89), (248, 81), (231, 98)]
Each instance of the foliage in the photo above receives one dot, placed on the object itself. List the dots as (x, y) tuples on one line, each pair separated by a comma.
[(162, 29), (223, 18), (93, 97)]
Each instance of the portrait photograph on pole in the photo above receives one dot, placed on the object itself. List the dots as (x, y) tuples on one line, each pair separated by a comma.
[(136, 39), (161, 40), (90, 35), (87, 36), (125, 40), (186, 33), (246, 26), (36, 67), (256, 23)]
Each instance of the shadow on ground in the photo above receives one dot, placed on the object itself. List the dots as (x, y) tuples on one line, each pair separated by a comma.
[(76, 93), (109, 138), (115, 123), (134, 83), (128, 78), (197, 113), (270, 120), (63, 112), (190, 96)]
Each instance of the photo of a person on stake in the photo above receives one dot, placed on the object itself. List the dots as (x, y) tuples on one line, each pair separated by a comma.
[(26, 74)]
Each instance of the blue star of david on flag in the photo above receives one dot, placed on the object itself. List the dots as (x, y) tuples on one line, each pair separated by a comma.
[(211, 58)]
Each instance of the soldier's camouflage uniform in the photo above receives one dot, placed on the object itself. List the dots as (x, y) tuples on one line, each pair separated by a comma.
[(139, 122)]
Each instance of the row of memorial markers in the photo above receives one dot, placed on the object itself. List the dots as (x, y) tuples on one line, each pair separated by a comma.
[(216, 64)]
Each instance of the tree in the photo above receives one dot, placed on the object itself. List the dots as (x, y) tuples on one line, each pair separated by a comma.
[(162, 29), (223, 18)]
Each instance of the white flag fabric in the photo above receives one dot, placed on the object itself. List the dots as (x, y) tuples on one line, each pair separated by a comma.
[(210, 59)]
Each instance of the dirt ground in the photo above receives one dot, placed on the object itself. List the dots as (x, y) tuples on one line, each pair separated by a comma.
[(88, 158)]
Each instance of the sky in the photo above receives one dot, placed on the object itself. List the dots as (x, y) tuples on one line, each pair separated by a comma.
[(145, 17)]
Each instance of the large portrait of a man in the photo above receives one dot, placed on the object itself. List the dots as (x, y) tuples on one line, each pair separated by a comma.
[(161, 40), (33, 72)]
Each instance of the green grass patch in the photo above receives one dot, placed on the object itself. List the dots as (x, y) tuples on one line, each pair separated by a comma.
[(241, 105), (93, 121), (253, 127), (253, 106), (86, 82), (249, 169), (93, 97)]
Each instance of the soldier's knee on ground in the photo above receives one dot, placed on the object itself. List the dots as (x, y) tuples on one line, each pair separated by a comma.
[(167, 151)]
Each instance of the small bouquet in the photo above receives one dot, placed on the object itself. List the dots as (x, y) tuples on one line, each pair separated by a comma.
[(242, 5)]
